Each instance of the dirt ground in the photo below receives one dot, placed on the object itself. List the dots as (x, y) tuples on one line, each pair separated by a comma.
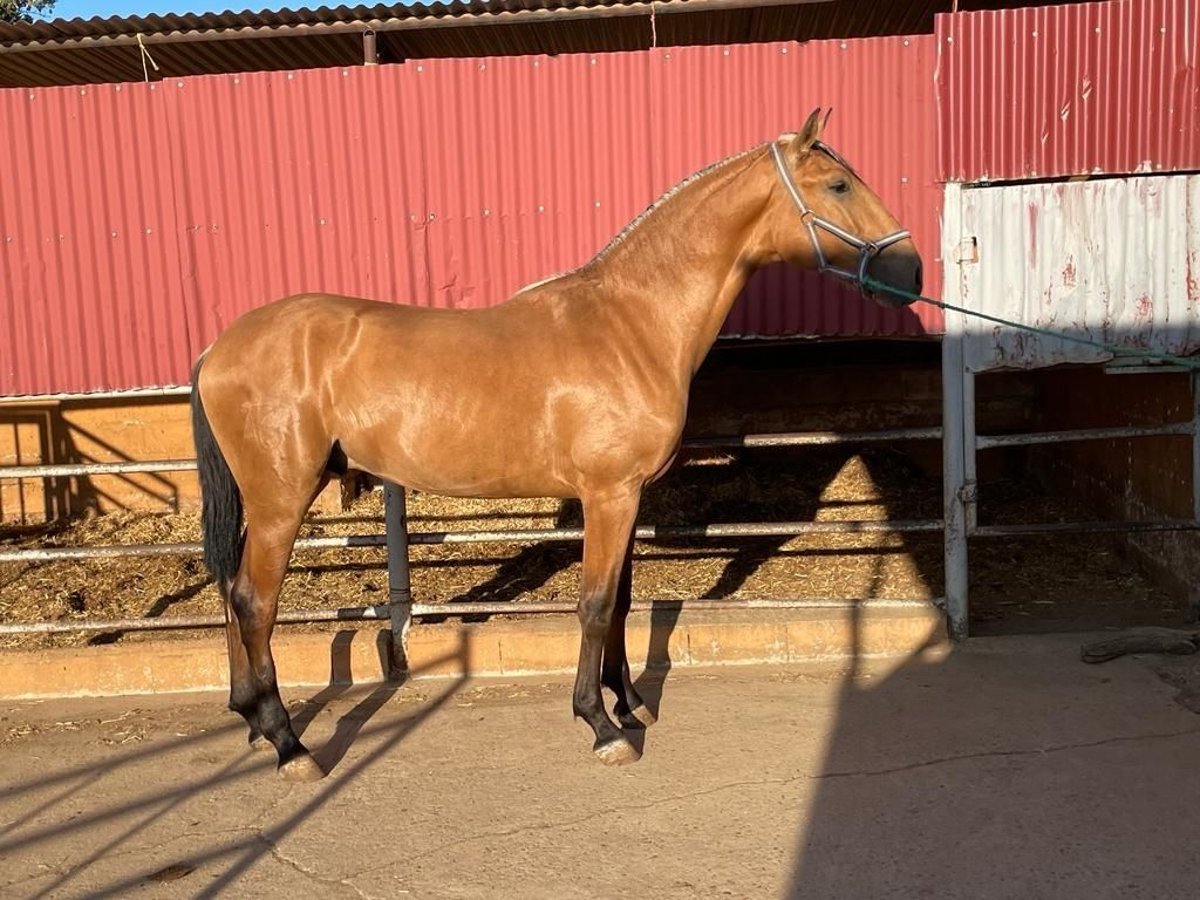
[(1008, 770), (1018, 585)]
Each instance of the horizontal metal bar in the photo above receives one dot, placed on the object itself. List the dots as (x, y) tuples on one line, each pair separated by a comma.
[(111, 551), (472, 609), (789, 439), (135, 394), (382, 612), (984, 442), (808, 438), (681, 532), (107, 468), (166, 623), (516, 535), (987, 531), (1140, 368)]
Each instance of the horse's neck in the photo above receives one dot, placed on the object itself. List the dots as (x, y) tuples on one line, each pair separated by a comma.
[(685, 263)]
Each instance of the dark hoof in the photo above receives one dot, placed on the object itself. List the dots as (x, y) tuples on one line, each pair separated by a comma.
[(259, 742), (639, 718), (617, 752), (301, 768)]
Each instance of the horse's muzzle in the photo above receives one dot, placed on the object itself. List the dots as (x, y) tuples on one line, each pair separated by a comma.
[(899, 267)]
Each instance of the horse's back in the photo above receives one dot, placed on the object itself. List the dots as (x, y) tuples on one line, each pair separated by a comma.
[(488, 402)]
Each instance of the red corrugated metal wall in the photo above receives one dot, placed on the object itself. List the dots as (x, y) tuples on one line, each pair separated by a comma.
[(139, 220), (1074, 89)]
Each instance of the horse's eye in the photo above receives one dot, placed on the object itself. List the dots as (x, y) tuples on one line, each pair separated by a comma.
[(840, 186)]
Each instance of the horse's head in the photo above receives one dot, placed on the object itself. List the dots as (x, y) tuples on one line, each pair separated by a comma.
[(823, 216)]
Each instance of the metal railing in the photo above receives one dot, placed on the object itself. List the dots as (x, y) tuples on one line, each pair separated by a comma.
[(397, 538), (960, 486), (957, 526), (731, 442)]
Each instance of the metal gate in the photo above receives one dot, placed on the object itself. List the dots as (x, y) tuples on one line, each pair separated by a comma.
[(1112, 260)]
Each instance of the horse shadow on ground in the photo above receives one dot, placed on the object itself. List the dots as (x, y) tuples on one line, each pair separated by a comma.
[(238, 854)]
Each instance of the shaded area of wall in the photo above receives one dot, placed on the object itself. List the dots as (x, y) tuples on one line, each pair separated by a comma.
[(92, 431), (1137, 479)]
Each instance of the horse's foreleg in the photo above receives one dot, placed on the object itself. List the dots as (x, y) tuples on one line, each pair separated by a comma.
[(607, 530), (630, 710), (254, 600)]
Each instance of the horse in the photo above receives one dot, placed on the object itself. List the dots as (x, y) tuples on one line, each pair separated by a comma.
[(575, 387)]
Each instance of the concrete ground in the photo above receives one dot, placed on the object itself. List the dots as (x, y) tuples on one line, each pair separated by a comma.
[(1009, 769)]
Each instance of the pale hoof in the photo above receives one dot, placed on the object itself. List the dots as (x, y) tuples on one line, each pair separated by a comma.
[(639, 718), (618, 752), (259, 742), (300, 769)]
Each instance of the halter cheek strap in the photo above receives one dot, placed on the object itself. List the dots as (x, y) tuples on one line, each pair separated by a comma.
[(867, 250)]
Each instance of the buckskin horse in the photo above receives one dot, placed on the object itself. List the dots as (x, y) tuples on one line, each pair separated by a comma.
[(574, 387)]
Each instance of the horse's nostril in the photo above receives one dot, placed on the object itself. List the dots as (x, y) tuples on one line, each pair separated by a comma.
[(917, 279)]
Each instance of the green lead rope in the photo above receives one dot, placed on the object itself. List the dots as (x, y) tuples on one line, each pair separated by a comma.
[(1116, 350)]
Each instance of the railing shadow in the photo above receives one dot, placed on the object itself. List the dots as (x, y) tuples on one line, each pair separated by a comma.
[(686, 495), (801, 500), (147, 809), (49, 444), (61, 440)]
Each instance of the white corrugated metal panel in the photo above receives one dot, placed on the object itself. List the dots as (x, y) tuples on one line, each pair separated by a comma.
[(1113, 260)]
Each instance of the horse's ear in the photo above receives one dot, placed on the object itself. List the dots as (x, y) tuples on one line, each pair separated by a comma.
[(811, 132)]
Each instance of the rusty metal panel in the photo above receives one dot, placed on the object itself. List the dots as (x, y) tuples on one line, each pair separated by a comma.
[(145, 218), (1081, 88), (1112, 260)]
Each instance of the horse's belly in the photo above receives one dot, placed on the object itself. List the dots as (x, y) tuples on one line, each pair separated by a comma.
[(462, 464)]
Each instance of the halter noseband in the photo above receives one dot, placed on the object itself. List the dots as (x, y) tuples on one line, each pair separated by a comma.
[(867, 250)]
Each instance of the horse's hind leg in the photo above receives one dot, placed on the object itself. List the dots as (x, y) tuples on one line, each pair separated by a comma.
[(253, 601), (630, 710), (243, 695), (607, 530)]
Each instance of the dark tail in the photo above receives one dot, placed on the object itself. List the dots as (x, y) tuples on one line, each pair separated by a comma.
[(220, 499)]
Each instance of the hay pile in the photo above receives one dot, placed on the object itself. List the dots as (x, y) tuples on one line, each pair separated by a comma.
[(1012, 581)]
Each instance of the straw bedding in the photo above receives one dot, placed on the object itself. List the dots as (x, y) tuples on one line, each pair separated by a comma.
[(1016, 584)]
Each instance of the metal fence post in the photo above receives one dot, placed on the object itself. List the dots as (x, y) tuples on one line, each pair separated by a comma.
[(1196, 445), (970, 453), (954, 482), (954, 419), (395, 516)]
